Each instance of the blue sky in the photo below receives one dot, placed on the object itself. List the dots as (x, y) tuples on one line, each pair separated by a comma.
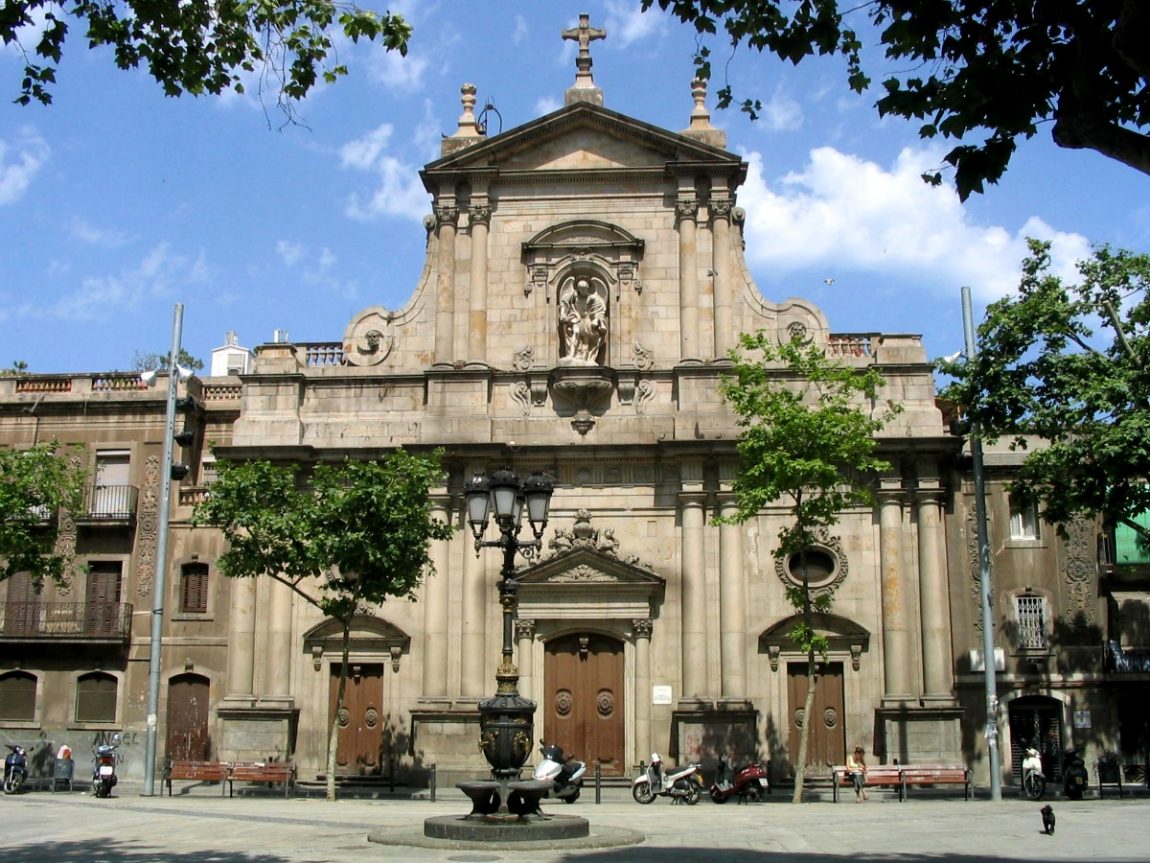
[(116, 203)]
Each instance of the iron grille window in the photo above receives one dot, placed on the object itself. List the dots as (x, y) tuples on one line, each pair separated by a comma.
[(96, 698), (1030, 612)]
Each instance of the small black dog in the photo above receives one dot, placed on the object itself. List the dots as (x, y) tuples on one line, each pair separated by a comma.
[(1048, 819)]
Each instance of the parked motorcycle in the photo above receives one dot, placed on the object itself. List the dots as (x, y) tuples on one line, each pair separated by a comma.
[(748, 782), (563, 772), (104, 776), (15, 769), (1075, 778), (1033, 779), (681, 784)]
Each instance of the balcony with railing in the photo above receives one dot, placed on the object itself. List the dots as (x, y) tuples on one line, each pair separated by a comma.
[(108, 504), (96, 622)]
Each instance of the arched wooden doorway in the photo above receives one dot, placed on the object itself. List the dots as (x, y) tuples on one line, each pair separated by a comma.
[(583, 703), (188, 736)]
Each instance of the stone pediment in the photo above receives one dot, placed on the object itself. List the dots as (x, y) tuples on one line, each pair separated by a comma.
[(369, 635), (579, 137), (843, 636), (588, 583)]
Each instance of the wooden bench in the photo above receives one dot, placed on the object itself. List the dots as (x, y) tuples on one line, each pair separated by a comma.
[(900, 776), (273, 772), (198, 771), (877, 776)]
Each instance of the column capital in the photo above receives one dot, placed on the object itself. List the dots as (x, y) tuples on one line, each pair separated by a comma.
[(720, 208), (446, 216), (524, 629), (479, 214), (686, 210), (642, 627)]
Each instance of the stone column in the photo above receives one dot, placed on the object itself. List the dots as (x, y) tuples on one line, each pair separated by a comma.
[(479, 216), (687, 211), (445, 219), (277, 682), (642, 628), (525, 641), (242, 638), (721, 268), (435, 604), (692, 594), (895, 635), (936, 646), (475, 680), (732, 603)]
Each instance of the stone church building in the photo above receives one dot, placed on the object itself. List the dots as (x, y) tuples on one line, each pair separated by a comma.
[(584, 282)]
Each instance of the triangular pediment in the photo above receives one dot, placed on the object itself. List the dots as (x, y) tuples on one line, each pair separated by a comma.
[(587, 566), (580, 137), (588, 584)]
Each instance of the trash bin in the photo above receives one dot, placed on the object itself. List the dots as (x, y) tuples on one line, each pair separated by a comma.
[(62, 773)]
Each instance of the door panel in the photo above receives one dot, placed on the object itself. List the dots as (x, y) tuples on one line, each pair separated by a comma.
[(188, 700), (1036, 721), (360, 749), (826, 744), (102, 598), (22, 609), (584, 703)]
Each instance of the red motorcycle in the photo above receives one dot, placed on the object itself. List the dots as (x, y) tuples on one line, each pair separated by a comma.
[(748, 783)]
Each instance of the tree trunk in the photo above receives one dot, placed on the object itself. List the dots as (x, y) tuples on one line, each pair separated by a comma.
[(333, 733), (805, 731)]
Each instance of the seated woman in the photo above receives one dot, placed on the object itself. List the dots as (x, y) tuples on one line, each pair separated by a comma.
[(856, 766)]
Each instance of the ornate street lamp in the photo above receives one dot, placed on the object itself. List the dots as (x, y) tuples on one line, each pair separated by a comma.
[(505, 721)]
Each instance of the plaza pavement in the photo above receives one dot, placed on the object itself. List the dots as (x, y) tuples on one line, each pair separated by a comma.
[(202, 827)]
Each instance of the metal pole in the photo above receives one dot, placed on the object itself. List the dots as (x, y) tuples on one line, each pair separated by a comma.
[(983, 573), (159, 587)]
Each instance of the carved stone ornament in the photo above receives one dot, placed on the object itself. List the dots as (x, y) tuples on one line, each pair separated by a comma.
[(446, 215), (581, 574), (828, 545), (644, 393), (720, 208), (369, 338), (524, 359), (147, 526), (643, 357), (1080, 571), (583, 535), (479, 214), (797, 332), (582, 320), (521, 395), (686, 209), (642, 627)]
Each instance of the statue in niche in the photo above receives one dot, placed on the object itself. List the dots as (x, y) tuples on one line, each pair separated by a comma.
[(582, 320)]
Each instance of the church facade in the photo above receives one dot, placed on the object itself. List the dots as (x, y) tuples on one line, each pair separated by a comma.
[(583, 286)]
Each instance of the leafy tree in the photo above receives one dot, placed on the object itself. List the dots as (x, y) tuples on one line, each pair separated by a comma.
[(18, 368), (808, 440), (36, 483), (1068, 365), (198, 46), (147, 362), (347, 538), (968, 68)]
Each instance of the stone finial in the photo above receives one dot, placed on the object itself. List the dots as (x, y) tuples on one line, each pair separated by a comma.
[(584, 89), (468, 132), (701, 128)]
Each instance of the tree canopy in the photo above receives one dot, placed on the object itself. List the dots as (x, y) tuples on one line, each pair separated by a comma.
[(807, 440), (1068, 367), (982, 73), (36, 483), (155, 360), (197, 46)]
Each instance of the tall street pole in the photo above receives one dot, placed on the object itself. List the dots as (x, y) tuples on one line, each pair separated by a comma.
[(983, 573), (159, 587)]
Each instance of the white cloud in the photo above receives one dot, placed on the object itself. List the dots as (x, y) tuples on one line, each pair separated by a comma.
[(400, 191), (107, 238), (546, 105), (395, 71), (782, 113), (20, 160), (290, 253), (627, 23), (521, 32), (842, 212)]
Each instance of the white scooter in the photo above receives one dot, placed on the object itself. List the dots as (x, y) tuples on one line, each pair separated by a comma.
[(563, 772), (682, 785), (1033, 779)]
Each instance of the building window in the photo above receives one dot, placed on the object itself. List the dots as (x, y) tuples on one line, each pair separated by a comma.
[(96, 698), (194, 588), (18, 696), (1023, 520), (1030, 614)]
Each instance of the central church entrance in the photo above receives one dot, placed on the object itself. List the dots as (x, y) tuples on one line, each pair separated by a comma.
[(583, 706), (826, 743), (360, 721)]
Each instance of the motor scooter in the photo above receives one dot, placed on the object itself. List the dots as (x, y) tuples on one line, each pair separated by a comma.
[(15, 769), (104, 775), (1075, 778), (563, 772), (747, 783), (682, 785), (1033, 779)]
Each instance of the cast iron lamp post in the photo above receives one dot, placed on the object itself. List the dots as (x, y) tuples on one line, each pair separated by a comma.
[(505, 721)]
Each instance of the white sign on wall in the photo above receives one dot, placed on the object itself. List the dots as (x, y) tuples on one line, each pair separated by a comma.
[(660, 694)]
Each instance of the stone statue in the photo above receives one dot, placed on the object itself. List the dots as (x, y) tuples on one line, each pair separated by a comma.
[(582, 320)]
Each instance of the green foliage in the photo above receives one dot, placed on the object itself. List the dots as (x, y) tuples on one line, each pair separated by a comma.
[(35, 484), (199, 47), (989, 69), (354, 534), (1067, 364), (148, 362)]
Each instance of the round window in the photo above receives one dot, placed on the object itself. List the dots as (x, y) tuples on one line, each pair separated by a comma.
[(825, 564)]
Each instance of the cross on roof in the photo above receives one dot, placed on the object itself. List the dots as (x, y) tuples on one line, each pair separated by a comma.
[(584, 34)]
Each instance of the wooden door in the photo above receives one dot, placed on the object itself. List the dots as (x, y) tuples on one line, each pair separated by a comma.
[(102, 598), (22, 608), (188, 736), (360, 749), (583, 708), (826, 743)]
